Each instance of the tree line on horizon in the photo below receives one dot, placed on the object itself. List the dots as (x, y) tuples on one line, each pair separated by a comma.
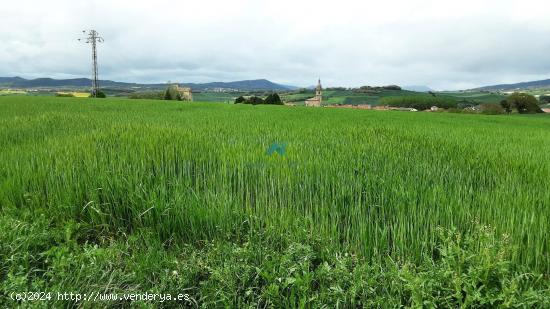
[(271, 99)]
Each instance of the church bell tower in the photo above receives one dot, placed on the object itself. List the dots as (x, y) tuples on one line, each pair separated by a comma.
[(319, 91)]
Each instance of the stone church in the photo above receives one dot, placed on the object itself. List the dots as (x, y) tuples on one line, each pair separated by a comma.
[(185, 93), (318, 99)]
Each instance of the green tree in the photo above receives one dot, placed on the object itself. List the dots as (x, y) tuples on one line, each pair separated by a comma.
[(167, 95), (172, 93), (273, 99), (254, 100), (99, 94), (524, 103), (419, 102), (506, 105), (240, 99)]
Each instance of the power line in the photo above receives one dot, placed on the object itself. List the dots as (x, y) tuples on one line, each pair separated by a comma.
[(93, 38)]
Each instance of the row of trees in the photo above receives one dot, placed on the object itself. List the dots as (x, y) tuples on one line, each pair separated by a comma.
[(171, 93), (521, 102), (419, 102), (271, 99), (372, 89), (150, 95)]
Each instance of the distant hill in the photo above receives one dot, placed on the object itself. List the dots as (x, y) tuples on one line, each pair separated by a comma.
[(246, 85), (525, 85), (418, 88), (256, 84)]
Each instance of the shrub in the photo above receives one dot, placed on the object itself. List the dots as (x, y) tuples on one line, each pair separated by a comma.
[(64, 95), (492, 109), (524, 103), (419, 102)]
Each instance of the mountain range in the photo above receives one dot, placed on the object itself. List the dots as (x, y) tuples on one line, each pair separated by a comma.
[(243, 85), (518, 86), (246, 85)]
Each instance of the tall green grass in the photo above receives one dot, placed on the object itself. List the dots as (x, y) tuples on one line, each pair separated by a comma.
[(372, 184)]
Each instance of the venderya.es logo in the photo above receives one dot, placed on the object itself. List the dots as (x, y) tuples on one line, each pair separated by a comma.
[(276, 149)]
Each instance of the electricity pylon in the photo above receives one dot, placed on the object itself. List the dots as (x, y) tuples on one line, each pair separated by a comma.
[(93, 38)]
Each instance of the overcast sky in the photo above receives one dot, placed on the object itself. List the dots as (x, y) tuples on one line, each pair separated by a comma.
[(442, 44)]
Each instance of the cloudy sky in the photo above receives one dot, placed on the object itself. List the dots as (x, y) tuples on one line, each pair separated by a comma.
[(443, 44)]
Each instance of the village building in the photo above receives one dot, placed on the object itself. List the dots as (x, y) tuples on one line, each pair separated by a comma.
[(318, 99), (185, 93)]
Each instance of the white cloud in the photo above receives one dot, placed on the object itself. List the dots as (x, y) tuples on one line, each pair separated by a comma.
[(443, 44)]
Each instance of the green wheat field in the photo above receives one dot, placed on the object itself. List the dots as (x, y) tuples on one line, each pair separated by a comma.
[(354, 208)]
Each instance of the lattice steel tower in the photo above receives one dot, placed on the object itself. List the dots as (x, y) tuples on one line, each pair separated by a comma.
[(94, 38)]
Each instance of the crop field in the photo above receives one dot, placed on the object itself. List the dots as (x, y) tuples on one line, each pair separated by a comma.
[(75, 94), (537, 91), (215, 96), (11, 92), (274, 206), (475, 96), (356, 98), (345, 96)]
